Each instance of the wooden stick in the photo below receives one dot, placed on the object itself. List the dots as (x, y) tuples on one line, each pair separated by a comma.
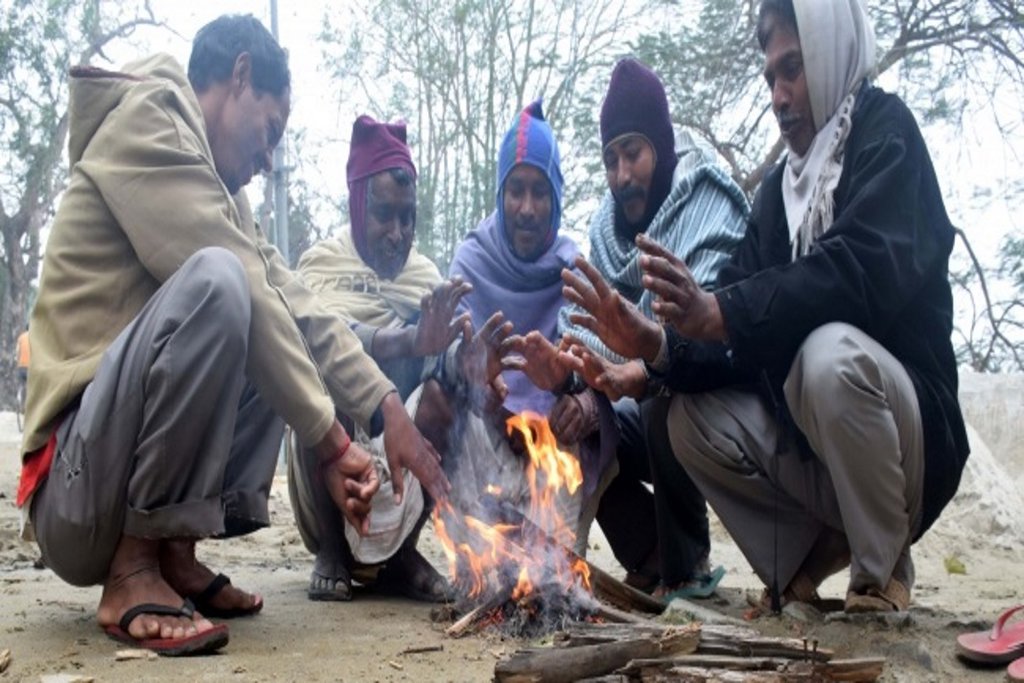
[(469, 619), (561, 665), (422, 649)]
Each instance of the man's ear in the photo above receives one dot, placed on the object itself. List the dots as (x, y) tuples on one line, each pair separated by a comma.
[(241, 75)]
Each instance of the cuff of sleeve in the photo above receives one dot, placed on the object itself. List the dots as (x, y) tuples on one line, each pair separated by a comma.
[(315, 433), (661, 362), (365, 334)]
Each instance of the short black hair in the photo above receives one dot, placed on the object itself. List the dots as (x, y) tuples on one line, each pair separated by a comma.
[(216, 48), (781, 10)]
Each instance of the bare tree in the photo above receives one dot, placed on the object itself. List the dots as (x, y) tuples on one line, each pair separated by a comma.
[(948, 54), (458, 72), (951, 60), (39, 42)]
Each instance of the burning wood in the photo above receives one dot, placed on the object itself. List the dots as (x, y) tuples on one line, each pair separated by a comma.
[(515, 567)]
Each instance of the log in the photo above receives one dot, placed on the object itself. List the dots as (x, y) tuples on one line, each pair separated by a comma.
[(861, 669), (562, 665), (738, 642), (646, 667), (615, 615), (721, 668), (592, 634)]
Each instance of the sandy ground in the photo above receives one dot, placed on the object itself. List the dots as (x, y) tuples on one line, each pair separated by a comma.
[(50, 627)]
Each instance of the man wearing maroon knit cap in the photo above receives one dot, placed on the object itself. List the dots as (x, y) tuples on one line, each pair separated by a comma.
[(395, 301), (671, 190)]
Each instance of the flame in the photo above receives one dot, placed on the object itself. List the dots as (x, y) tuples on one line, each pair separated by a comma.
[(523, 585), (485, 557)]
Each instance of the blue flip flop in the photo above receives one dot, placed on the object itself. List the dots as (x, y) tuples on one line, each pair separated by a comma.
[(700, 587)]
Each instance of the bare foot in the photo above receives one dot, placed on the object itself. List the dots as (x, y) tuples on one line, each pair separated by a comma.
[(135, 579), (188, 576)]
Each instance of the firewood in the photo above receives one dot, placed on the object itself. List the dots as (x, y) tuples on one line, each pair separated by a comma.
[(739, 642), (592, 634), (604, 585), (646, 667), (561, 665), (863, 669), (469, 619)]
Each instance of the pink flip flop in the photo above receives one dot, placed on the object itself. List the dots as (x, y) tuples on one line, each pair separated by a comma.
[(1001, 645), (1015, 672)]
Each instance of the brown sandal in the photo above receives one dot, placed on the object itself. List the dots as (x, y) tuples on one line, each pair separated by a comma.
[(895, 598)]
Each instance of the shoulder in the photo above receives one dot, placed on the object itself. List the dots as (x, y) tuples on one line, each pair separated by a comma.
[(322, 249), (880, 116)]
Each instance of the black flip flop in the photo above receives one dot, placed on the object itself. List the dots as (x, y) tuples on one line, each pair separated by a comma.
[(203, 601), (198, 644)]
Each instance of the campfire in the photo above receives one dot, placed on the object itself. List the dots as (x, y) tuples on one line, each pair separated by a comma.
[(512, 566)]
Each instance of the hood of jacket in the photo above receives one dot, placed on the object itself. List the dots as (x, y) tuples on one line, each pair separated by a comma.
[(95, 93)]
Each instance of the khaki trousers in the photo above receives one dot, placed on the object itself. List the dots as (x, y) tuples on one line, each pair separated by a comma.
[(168, 440), (857, 407)]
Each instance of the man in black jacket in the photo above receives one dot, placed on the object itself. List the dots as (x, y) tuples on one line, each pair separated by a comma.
[(820, 418)]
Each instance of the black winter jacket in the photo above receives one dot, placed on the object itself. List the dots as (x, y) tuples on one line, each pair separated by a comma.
[(882, 267)]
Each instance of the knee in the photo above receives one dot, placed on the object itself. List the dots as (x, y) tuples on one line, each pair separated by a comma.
[(222, 286), (830, 364)]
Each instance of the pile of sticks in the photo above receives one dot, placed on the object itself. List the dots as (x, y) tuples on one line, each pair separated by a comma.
[(648, 651), (624, 646)]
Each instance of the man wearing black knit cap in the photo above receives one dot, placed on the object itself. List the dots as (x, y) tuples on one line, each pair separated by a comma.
[(818, 403), (684, 201)]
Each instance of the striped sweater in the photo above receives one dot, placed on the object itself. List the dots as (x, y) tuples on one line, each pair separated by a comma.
[(701, 221)]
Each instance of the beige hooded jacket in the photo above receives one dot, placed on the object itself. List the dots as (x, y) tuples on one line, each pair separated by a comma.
[(143, 196)]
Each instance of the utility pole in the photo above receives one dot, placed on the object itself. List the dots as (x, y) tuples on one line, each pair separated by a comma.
[(280, 172)]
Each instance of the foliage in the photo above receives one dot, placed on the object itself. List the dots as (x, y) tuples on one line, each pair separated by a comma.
[(39, 41), (947, 57), (459, 72), (952, 61)]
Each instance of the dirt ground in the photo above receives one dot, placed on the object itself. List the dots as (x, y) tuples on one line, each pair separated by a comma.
[(50, 628)]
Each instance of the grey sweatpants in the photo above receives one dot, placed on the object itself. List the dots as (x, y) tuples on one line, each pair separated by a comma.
[(857, 407), (168, 440)]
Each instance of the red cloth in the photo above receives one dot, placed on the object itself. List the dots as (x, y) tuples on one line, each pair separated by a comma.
[(34, 470)]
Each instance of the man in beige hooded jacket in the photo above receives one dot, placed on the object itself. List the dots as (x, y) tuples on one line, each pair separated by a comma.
[(170, 341)]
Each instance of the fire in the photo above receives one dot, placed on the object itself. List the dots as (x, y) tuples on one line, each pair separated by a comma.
[(521, 558)]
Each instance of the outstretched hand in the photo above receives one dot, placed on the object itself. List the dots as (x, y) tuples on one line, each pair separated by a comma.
[(617, 322), (406, 448), (615, 380), (537, 358), (678, 299), (438, 327), (480, 355)]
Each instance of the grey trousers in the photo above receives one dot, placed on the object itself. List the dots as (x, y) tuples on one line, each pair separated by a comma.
[(168, 440), (856, 405)]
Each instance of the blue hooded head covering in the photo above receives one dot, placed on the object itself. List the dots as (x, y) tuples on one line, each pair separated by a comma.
[(530, 140), (528, 292)]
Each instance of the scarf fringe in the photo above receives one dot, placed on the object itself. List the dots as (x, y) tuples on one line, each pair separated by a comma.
[(821, 210)]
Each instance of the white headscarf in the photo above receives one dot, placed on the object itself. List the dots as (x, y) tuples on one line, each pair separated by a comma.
[(838, 47)]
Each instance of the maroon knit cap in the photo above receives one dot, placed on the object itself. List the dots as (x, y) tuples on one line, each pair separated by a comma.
[(636, 103), (375, 147)]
